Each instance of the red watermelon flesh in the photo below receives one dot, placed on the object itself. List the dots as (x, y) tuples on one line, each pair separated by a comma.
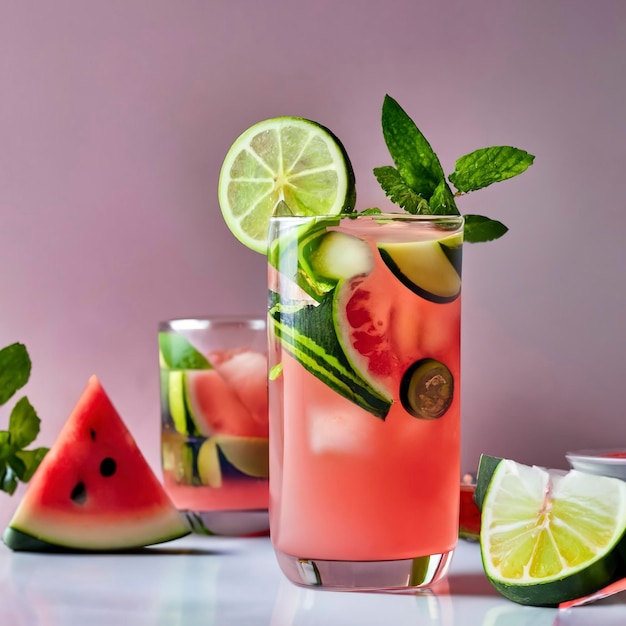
[(245, 372), (216, 408), (94, 490)]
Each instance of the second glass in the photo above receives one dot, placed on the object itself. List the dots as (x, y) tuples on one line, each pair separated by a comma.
[(214, 422), (364, 355)]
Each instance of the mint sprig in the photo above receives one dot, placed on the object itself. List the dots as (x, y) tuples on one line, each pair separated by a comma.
[(16, 462), (418, 184)]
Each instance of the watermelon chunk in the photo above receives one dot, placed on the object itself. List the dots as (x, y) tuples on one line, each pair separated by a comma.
[(94, 489)]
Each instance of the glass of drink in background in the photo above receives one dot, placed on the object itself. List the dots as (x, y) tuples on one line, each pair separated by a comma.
[(214, 422), (364, 356)]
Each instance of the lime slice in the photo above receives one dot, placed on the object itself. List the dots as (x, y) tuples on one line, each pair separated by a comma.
[(548, 537), (283, 159)]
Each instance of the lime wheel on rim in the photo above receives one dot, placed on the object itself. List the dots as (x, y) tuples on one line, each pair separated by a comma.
[(288, 159)]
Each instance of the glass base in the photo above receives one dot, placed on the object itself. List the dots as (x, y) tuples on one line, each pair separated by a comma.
[(400, 575), (229, 523)]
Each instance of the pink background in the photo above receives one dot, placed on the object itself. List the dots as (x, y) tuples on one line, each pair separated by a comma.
[(115, 117)]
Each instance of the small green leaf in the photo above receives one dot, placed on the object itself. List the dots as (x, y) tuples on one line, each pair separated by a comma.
[(412, 154), (178, 354), (15, 369), (6, 449), (276, 371), (371, 211), (479, 228), (30, 460), (23, 424), (396, 188), (442, 201), (17, 465), (489, 165), (8, 480)]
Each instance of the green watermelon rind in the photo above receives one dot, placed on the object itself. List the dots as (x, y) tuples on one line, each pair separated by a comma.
[(319, 351), (113, 536), (22, 541)]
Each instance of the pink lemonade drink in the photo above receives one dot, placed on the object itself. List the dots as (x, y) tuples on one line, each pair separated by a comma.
[(364, 328), (214, 419)]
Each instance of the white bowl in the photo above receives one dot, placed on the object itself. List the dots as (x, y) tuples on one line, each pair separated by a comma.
[(605, 462)]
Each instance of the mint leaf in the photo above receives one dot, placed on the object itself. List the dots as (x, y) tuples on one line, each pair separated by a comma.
[(15, 369), (30, 460), (418, 183), (396, 188), (5, 445), (479, 229), (489, 165), (23, 424), (17, 465), (417, 163), (442, 201), (178, 354)]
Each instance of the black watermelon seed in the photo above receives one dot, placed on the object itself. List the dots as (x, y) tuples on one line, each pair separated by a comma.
[(108, 466), (79, 493), (92, 434)]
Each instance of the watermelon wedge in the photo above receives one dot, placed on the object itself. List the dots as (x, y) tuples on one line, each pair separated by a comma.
[(94, 489)]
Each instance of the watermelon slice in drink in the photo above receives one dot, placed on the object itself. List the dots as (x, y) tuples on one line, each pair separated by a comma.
[(215, 407), (246, 374), (94, 489)]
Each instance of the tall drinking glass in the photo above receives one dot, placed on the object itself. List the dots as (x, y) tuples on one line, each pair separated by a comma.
[(364, 355)]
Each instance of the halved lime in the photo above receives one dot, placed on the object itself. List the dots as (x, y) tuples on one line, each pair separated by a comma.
[(286, 159), (547, 537)]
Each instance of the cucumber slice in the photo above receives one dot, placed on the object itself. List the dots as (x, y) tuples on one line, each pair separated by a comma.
[(339, 256), (431, 269), (250, 455), (208, 464)]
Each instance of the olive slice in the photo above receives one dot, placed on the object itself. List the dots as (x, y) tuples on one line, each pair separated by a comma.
[(426, 389), (431, 269)]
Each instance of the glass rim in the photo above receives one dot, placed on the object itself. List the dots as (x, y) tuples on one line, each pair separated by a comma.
[(252, 322), (387, 216)]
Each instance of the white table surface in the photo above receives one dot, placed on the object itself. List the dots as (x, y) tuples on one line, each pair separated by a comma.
[(230, 581)]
